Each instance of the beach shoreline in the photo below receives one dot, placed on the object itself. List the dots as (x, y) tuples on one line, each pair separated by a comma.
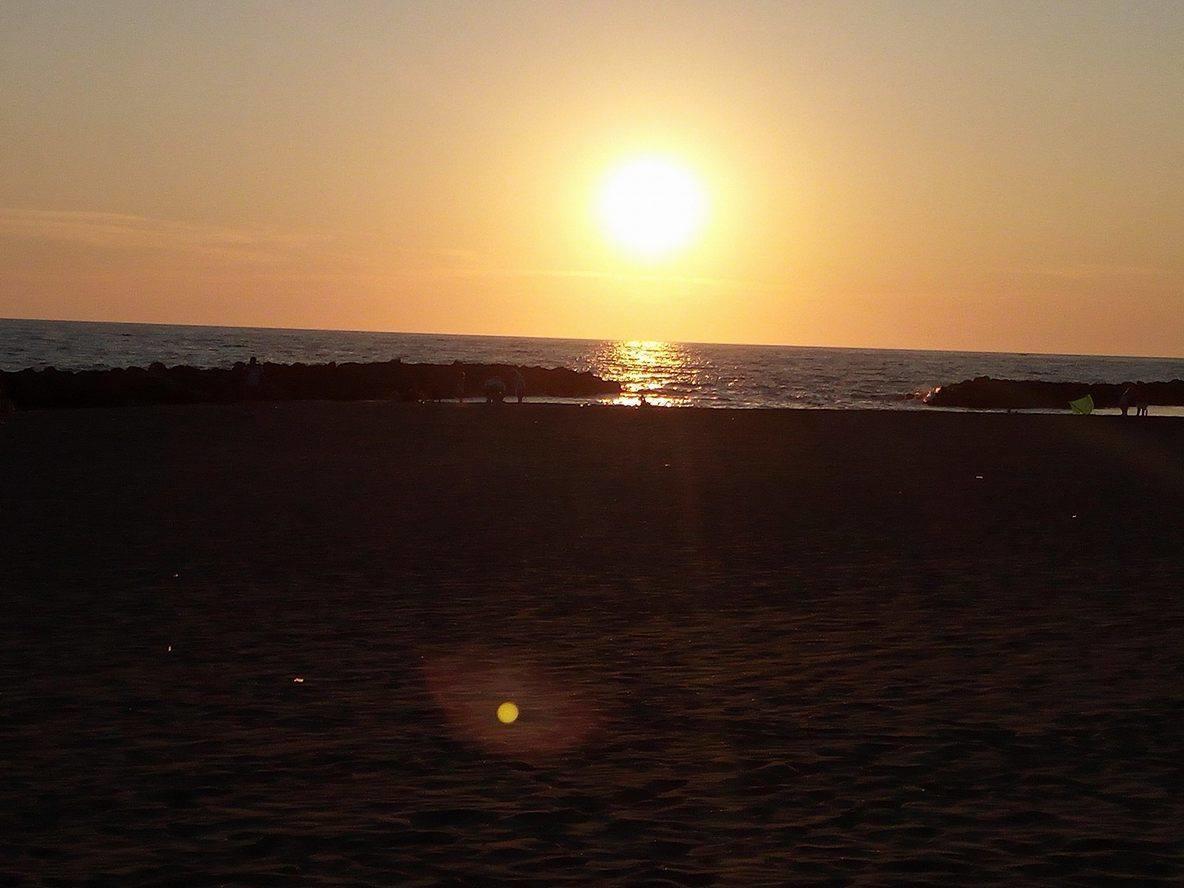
[(748, 646)]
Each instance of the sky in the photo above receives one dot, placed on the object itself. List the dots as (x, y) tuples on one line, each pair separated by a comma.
[(954, 175)]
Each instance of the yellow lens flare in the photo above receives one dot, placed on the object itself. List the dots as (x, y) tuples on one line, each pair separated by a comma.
[(652, 206), (507, 713)]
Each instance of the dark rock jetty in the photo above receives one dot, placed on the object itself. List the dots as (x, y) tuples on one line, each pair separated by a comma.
[(1027, 394), (390, 380)]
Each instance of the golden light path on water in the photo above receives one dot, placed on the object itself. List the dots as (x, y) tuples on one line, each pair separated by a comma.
[(647, 368)]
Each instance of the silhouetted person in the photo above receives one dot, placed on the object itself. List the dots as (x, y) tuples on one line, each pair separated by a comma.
[(1124, 403), (254, 374), (1140, 401), (495, 390), (460, 388), (7, 408), (519, 385)]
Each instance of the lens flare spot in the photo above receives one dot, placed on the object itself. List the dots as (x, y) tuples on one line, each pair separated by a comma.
[(507, 713)]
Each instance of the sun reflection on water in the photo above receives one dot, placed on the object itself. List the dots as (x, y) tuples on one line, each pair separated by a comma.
[(661, 372)]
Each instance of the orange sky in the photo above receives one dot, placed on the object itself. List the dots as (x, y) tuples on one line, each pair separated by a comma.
[(996, 176)]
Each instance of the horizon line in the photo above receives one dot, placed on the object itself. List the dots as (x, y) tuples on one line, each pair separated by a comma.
[(602, 339)]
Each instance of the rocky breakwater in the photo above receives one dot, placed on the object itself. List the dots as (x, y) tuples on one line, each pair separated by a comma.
[(986, 393), (389, 380)]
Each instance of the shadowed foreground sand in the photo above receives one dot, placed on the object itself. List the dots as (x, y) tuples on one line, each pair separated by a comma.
[(748, 647)]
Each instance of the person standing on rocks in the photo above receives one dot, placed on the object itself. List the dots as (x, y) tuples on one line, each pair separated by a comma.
[(519, 385), (250, 376)]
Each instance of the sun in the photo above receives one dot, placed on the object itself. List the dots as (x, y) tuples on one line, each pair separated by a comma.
[(652, 206)]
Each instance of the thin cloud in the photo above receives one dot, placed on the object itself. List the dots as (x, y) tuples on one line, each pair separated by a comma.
[(328, 255), (1091, 271), (119, 231), (622, 277), (126, 232)]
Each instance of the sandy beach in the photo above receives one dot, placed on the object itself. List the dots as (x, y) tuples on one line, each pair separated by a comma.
[(265, 644)]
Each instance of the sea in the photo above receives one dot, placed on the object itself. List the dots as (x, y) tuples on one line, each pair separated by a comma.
[(676, 374)]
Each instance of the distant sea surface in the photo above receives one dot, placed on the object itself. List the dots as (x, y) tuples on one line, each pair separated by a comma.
[(668, 373)]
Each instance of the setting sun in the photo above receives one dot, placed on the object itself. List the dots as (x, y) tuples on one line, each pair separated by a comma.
[(652, 206)]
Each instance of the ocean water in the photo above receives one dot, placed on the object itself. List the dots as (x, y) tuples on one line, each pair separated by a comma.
[(667, 373)]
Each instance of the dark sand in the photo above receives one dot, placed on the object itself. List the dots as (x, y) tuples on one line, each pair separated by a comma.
[(782, 648)]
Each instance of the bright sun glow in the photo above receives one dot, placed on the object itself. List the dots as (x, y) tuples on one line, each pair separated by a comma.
[(652, 206)]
